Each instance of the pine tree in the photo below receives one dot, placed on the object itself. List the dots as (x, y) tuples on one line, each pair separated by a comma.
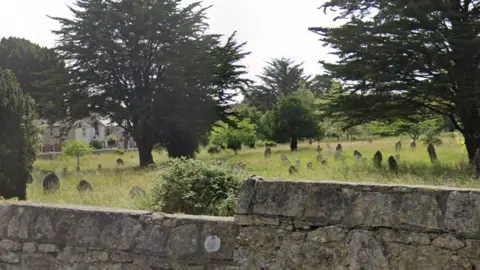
[(404, 59), (18, 137)]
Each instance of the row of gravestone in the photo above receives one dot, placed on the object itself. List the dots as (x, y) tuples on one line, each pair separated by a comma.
[(51, 184), (377, 158)]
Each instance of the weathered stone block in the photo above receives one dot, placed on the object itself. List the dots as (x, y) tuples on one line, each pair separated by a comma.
[(86, 231), (48, 248), (404, 237), (121, 233), (121, 257), (472, 249), (96, 256), (43, 227), (29, 247), (153, 238), (255, 220), (246, 197), (183, 241), (462, 214), (365, 252), (327, 234), (370, 209), (20, 221), (72, 255), (9, 257), (280, 198), (448, 241), (6, 214), (218, 240), (10, 245), (420, 210)]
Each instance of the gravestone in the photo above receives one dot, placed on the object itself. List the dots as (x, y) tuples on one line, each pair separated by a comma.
[(284, 159), (84, 186), (51, 183), (392, 164), (398, 146), (413, 145), (377, 159), (268, 153), (432, 153), (78, 169), (119, 162), (339, 148), (310, 165), (319, 149), (310, 141), (319, 157), (397, 158), (370, 141), (324, 162), (357, 155), (99, 167), (65, 171), (292, 169), (136, 191), (328, 146)]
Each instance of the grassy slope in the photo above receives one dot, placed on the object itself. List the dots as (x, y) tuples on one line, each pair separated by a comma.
[(111, 186)]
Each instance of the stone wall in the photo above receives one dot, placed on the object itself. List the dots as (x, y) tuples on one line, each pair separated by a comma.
[(55, 237), (312, 225), (279, 225), (55, 155)]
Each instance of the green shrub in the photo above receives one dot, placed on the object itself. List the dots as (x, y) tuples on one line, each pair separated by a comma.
[(96, 144), (214, 149), (194, 187), (270, 144), (119, 151), (259, 144)]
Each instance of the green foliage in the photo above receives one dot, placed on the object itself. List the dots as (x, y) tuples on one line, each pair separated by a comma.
[(214, 149), (232, 138), (19, 137), (167, 89), (193, 187), (398, 63), (40, 74), (76, 149), (270, 144), (112, 139), (96, 144), (291, 121), (280, 77), (432, 136)]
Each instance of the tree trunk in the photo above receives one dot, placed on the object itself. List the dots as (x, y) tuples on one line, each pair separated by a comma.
[(145, 155), (293, 143), (472, 143)]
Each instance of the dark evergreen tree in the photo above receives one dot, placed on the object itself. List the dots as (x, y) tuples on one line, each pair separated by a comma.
[(291, 121), (280, 77), (40, 74), (18, 137), (400, 59), (150, 67)]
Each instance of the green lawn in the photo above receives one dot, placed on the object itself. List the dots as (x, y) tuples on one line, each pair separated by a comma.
[(112, 185)]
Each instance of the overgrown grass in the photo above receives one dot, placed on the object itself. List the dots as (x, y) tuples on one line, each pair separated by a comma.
[(112, 185)]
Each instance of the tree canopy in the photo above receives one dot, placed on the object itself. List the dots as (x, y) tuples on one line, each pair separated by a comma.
[(403, 59), (40, 74), (152, 69)]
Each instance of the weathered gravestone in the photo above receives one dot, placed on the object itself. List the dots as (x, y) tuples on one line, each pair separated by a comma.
[(323, 162), (338, 155), (284, 159), (319, 157), (292, 169), (99, 167), (268, 153), (136, 191), (309, 165), (310, 141), (119, 162), (339, 148), (370, 141), (413, 145), (397, 158), (398, 146), (84, 186), (65, 171), (51, 183), (392, 164), (357, 155), (432, 153), (377, 159), (319, 149)]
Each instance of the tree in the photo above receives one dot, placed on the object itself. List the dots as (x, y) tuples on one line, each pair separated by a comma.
[(19, 137), (416, 129), (402, 59), (40, 74), (76, 149), (280, 77), (292, 121), (150, 67), (233, 138)]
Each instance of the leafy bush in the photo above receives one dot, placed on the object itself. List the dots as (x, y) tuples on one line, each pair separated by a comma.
[(194, 187), (96, 144), (76, 149), (119, 151), (214, 149), (112, 140), (270, 144)]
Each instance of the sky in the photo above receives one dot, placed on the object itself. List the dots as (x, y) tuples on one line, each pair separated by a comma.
[(271, 28)]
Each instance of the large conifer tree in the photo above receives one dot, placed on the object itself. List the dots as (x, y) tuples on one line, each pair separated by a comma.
[(400, 59), (18, 137)]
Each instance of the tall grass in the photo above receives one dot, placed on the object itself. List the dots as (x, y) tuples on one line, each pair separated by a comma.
[(112, 185)]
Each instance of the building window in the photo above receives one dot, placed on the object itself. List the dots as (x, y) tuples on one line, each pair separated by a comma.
[(51, 132), (84, 132), (52, 148)]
